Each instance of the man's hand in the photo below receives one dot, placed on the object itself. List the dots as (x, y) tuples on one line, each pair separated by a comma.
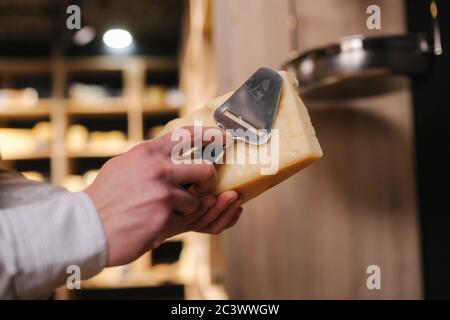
[(141, 201)]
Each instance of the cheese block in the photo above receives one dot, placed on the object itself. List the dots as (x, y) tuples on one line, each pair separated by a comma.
[(296, 144), (16, 143)]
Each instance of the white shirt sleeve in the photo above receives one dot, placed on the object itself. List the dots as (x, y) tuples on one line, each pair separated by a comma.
[(43, 231)]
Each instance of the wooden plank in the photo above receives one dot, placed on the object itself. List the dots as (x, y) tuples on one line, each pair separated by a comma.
[(134, 81), (59, 164), (102, 106), (111, 63), (100, 63), (41, 110), (37, 155), (25, 66), (314, 235)]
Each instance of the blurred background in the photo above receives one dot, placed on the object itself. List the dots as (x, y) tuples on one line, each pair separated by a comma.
[(71, 99)]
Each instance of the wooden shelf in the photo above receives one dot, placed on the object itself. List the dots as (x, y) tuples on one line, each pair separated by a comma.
[(159, 110), (25, 66), (83, 64), (113, 106), (44, 154), (92, 154), (43, 109), (105, 106), (115, 63)]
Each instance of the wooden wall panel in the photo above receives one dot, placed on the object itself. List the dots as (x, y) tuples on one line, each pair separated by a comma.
[(314, 235)]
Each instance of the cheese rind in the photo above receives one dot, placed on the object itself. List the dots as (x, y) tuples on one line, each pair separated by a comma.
[(298, 146)]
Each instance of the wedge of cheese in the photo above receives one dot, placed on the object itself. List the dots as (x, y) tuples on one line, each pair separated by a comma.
[(297, 145)]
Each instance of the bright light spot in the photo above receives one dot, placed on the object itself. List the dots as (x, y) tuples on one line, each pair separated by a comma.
[(117, 38), (307, 66), (349, 44), (84, 36)]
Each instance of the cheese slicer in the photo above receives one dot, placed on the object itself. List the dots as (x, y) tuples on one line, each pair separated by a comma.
[(252, 108)]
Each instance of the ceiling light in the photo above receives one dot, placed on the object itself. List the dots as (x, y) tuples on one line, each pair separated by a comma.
[(117, 38)]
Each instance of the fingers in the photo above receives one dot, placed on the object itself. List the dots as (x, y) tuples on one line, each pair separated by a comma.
[(223, 202), (183, 201), (236, 218), (206, 187), (188, 137), (225, 221), (179, 223), (206, 203)]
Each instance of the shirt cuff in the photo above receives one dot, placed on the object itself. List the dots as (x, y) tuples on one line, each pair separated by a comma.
[(52, 235)]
